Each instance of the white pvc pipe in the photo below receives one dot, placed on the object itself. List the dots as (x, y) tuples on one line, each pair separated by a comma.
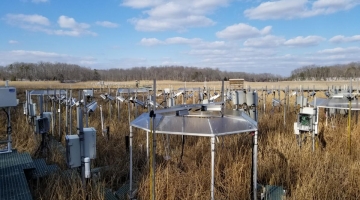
[(212, 167), (131, 161), (314, 131), (102, 121), (255, 166), (87, 167), (147, 146)]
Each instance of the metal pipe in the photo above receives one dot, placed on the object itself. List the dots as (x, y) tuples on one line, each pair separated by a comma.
[(222, 97), (70, 115), (212, 186), (66, 113), (254, 161), (109, 104), (349, 125), (80, 131), (314, 128), (285, 108), (59, 111), (135, 100), (131, 161), (154, 142), (102, 121), (85, 110)]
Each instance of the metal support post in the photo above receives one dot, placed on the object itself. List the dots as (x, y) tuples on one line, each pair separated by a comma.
[(212, 186)]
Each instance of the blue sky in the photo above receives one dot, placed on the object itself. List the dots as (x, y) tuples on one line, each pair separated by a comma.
[(233, 35)]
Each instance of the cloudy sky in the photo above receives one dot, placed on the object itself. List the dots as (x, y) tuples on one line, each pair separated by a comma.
[(233, 35)]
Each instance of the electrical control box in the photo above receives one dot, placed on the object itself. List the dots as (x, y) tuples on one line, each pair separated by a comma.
[(42, 125), (48, 115), (205, 101), (238, 97), (252, 99), (8, 97), (73, 157), (170, 102), (301, 101), (306, 119), (90, 142), (88, 93), (32, 109)]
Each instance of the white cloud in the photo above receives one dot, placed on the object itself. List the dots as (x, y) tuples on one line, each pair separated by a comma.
[(8, 57), (179, 24), (211, 45), (76, 29), (173, 15), (181, 40), (24, 20), (341, 38), (276, 9), (141, 3), (68, 22), (107, 24), (340, 50), (331, 6), (39, 1), (242, 31), (304, 41), (38, 23), (266, 41), (207, 52), (288, 9), (275, 41), (169, 41), (13, 42), (150, 41)]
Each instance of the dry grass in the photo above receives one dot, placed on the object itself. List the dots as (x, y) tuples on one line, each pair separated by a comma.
[(328, 173)]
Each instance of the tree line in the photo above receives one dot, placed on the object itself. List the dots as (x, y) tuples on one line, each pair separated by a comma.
[(43, 71), (62, 72), (333, 72)]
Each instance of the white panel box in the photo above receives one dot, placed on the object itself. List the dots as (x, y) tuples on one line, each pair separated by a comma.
[(90, 142), (205, 101), (8, 97), (167, 90), (308, 111), (252, 99), (89, 93), (301, 100), (238, 97), (32, 110), (170, 102), (73, 157)]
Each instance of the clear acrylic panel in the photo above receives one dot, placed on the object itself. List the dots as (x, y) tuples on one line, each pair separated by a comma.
[(198, 125)]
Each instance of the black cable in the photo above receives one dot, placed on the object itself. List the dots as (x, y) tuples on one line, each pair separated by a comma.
[(8, 129), (182, 148)]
